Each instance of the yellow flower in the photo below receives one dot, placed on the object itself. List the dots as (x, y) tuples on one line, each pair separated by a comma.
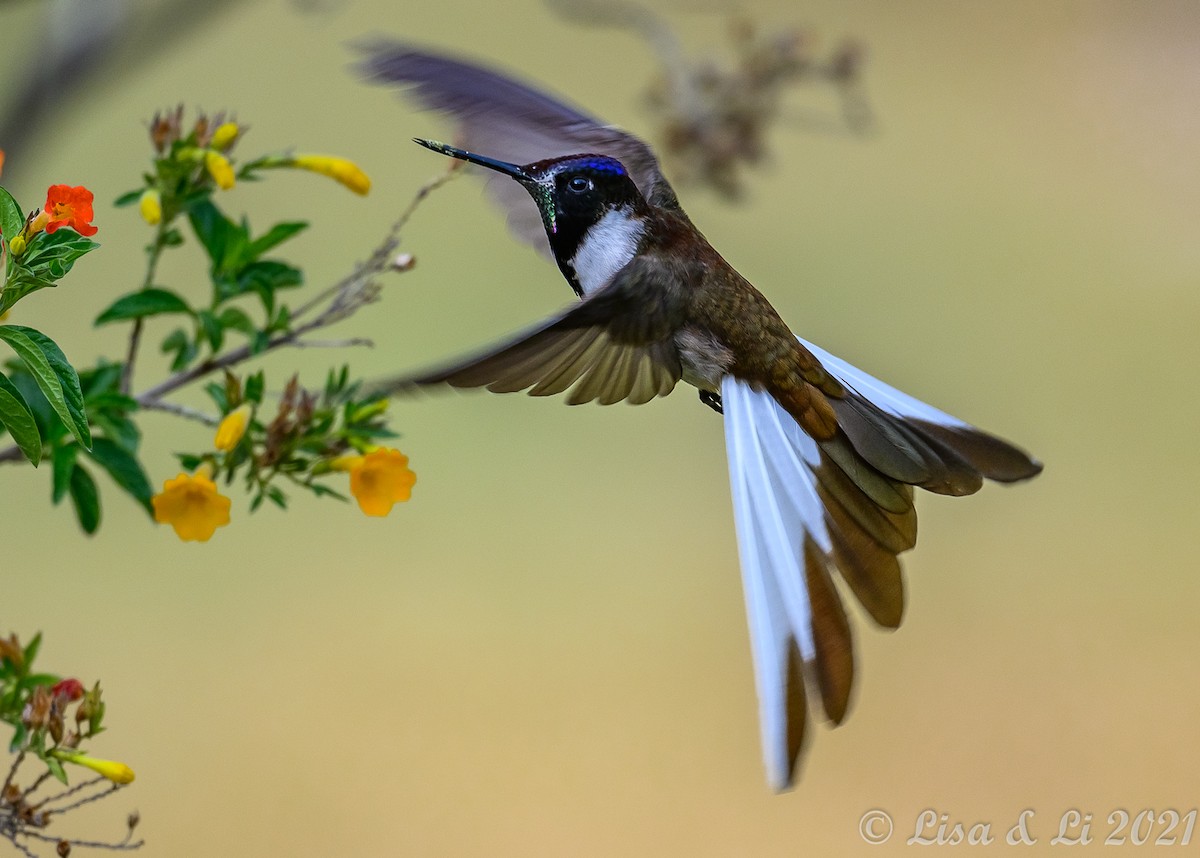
[(150, 205), (118, 773), (232, 428), (192, 505), (378, 480), (341, 169), (224, 136), (218, 167)]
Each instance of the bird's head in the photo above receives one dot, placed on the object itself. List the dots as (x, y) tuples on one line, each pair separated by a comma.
[(583, 200)]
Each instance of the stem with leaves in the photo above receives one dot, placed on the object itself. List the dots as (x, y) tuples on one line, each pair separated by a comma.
[(332, 304)]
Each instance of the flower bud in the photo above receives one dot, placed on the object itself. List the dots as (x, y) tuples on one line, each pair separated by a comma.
[(339, 169), (150, 206), (232, 428), (118, 773), (219, 168), (224, 136)]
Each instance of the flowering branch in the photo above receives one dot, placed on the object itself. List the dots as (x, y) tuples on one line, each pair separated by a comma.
[(51, 718), (311, 432)]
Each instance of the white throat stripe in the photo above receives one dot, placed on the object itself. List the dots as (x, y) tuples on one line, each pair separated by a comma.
[(606, 248)]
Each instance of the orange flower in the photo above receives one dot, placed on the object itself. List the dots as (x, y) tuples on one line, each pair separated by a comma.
[(191, 504), (71, 207), (1, 162), (378, 480)]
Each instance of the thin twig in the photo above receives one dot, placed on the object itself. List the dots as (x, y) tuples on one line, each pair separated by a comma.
[(135, 335), (334, 344), (37, 783), (87, 800), (87, 844), (67, 793), (380, 258), (12, 772), (179, 411), (12, 838)]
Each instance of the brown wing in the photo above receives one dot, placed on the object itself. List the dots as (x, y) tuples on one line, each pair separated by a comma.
[(617, 344)]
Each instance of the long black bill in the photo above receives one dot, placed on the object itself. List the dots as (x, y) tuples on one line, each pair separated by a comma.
[(463, 155)]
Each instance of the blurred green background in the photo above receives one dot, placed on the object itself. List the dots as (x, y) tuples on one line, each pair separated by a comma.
[(544, 653)]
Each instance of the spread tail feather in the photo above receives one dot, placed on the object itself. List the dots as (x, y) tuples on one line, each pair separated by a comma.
[(805, 510)]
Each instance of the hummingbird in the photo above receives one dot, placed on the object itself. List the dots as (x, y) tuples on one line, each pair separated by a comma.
[(823, 457)]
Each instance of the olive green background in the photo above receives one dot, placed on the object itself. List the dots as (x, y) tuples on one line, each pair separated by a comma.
[(544, 653)]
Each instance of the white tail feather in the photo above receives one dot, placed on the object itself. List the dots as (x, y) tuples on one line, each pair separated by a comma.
[(883, 395), (776, 507)]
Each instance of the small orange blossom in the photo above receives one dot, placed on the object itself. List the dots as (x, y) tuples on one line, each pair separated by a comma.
[(71, 207), (191, 504), (378, 480)]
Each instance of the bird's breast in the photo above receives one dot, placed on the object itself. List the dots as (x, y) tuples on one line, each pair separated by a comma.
[(606, 248), (705, 359)]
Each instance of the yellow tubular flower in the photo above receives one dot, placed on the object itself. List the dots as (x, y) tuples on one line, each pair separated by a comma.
[(192, 505), (118, 773), (224, 136), (378, 480), (218, 167), (232, 428), (150, 205), (340, 169)]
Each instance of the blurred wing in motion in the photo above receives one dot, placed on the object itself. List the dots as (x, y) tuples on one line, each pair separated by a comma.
[(502, 118), (806, 510), (612, 346)]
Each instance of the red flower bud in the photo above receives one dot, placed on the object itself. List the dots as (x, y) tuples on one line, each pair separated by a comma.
[(68, 690)]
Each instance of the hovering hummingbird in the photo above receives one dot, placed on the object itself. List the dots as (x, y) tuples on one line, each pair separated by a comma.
[(823, 457)]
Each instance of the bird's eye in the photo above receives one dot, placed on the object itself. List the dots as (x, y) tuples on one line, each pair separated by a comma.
[(579, 185)]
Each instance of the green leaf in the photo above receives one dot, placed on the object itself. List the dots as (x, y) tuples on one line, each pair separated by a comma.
[(211, 329), (276, 496), (31, 650), (235, 318), (118, 427), (217, 393), (51, 255), (86, 498), (269, 274), (11, 219), (128, 198), (224, 241), (324, 491), (124, 468), (259, 342), (56, 769), (17, 418), (100, 379), (53, 374), (148, 302), (273, 237), (63, 462), (185, 350), (254, 387)]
